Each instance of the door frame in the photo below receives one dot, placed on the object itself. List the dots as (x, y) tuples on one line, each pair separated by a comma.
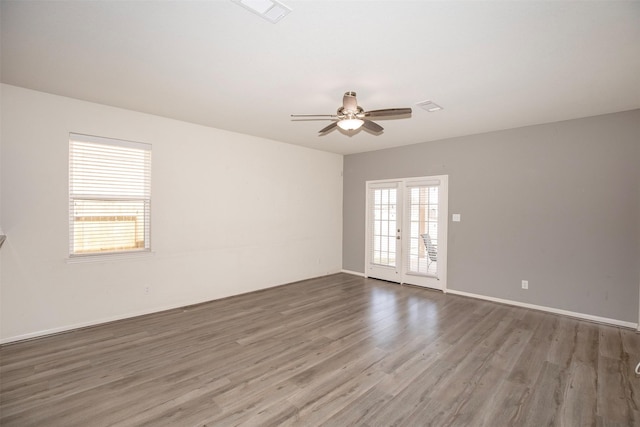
[(404, 184)]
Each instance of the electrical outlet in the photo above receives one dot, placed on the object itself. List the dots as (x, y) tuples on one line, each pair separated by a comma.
[(525, 284), (147, 289)]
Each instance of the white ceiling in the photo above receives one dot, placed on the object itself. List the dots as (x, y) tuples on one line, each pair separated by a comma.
[(491, 65)]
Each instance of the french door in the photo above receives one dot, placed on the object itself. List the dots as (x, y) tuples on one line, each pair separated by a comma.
[(406, 239)]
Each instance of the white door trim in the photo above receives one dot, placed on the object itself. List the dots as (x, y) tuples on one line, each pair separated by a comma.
[(403, 184)]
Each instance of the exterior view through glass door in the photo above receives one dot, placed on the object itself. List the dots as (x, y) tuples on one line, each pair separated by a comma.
[(407, 231)]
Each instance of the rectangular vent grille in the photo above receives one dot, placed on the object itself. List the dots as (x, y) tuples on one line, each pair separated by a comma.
[(430, 106), (271, 10)]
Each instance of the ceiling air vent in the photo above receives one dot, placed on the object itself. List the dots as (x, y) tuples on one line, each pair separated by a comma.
[(271, 10), (430, 106)]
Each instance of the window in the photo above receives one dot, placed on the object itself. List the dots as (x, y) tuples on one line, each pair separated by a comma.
[(109, 196)]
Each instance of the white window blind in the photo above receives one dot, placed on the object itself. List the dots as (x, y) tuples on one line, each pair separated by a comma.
[(109, 195)]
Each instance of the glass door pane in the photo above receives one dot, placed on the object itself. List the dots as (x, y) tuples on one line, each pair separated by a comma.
[(423, 230), (384, 226)]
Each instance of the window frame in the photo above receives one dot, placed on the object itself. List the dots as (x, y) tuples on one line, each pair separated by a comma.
[(111, 196)]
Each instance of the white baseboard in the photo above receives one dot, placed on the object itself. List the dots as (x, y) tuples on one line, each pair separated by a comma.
[(568, 313), (355, 273), (68, 328)]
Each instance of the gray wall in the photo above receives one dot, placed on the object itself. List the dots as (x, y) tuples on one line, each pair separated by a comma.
[(556, 204)]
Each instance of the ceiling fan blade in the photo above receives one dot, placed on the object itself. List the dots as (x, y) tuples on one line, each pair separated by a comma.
[(372, 126), (388, 112), (310, 119), (349, 102), (328, 128), (313, 115)]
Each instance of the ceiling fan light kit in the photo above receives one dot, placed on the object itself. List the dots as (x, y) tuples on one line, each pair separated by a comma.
[(350, 124), (351, 117)]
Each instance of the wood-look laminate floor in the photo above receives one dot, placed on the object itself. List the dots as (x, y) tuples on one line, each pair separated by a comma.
[(338, 350)]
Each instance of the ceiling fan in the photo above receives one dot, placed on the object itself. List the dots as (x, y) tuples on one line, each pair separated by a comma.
[(351, 116)]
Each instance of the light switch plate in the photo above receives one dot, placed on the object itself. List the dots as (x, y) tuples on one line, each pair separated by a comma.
[(455, 217)]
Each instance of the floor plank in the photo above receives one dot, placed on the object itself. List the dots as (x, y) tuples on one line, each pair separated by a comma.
[(336, 350)]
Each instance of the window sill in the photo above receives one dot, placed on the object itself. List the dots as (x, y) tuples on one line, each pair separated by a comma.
[(120, 256)]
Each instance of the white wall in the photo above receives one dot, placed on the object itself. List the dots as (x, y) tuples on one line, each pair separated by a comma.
[(231, 214)]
